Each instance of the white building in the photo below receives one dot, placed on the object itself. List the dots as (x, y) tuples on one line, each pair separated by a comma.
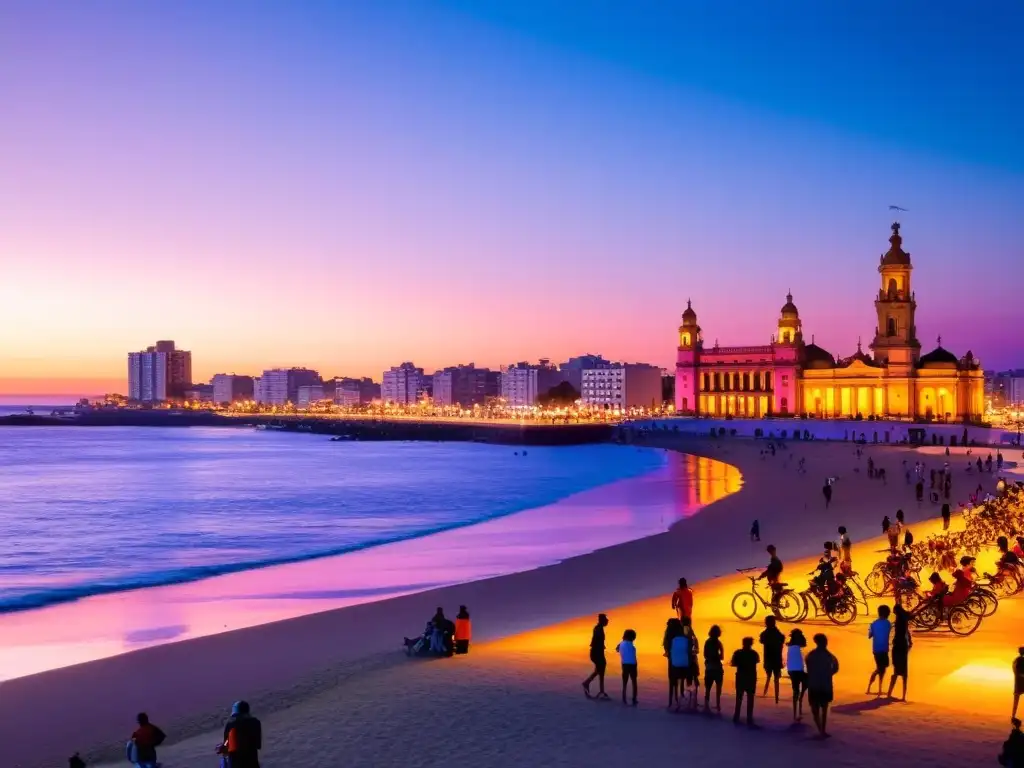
[(147, 376), (347, 395), (402, 385), (229, 388), (621, 386), (519, 385), (274, 387), (310, 393)]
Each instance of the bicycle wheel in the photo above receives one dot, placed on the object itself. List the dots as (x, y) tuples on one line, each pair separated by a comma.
[(989, 599), (877, 582), (790, 606), (842, 610), (1006, 584), (962, 621), (926, 617), (910, 599), (744, 605)]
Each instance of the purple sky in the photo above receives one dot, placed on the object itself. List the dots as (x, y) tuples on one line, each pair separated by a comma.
[(348, 186)]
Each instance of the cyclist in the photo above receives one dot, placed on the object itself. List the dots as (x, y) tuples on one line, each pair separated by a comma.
[(825, 572), (1007, 558), (963, 583), (773, 572)]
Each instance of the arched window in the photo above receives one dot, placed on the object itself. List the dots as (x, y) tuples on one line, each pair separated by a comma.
[(890, 326), (784, 405), (893, 288)]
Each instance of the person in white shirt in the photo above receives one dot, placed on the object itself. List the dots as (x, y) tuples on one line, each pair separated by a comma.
[(627, 653), (796, 670)]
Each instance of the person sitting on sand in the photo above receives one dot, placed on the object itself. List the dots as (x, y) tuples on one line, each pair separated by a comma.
[(437, 632), (243, 737), (682, 601), (146, 738), (463, 631)]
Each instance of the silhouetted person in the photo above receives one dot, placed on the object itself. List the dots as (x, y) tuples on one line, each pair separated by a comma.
[(243, 737), (902, 642), (146, 738), (797, 671), (597, 658), (755, 531), (682, 601), (76, 761), (772, 641), (821, 668), (826, 491), (745, 662), (1012, 755), (714, 669), (919, 491), (945, 516)]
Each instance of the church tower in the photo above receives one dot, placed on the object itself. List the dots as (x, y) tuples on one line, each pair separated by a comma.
[(895, 342), (687, 362)]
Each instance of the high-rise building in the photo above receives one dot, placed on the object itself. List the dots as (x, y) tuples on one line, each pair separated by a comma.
[(350, 392), (159, 373), (229, 388), (309, 394), (622, 385), (464, 385), (403, 385), (279, 386), (519, 385)]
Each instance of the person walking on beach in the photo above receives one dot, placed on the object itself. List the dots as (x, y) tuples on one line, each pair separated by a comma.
[(755, 531), (1018, 679), (826, 491), (627, 654), (878, 633), (682, 601), (597, 658), (919, 492), (772, 640), (822, 666), (243, 737), (797, 671), (714, 670), (945, 516), (745, 661), (146, 738), (463, 631), (902, 642)]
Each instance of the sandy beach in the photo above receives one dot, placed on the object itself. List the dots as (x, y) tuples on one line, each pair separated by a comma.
[(335, 687)]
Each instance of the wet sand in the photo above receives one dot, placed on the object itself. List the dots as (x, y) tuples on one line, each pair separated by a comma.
[(331, 684)]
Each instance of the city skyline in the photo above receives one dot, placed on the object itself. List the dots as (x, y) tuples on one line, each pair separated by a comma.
[(352, 187)]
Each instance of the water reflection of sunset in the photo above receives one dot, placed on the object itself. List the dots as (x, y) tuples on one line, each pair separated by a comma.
[(108, 625)]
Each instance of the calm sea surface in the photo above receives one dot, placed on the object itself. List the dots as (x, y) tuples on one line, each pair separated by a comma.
[(91, 510)]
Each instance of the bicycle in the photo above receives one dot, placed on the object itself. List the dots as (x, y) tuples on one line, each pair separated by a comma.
[(785, 604), (840, 608)]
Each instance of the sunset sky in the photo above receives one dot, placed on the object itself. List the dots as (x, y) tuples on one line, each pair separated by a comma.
[(349, 185)]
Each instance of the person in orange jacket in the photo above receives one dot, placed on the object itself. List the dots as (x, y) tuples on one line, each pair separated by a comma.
[(682, 601), (463, 630)]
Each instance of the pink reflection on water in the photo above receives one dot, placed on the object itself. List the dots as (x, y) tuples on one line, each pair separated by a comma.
[(107, 625)]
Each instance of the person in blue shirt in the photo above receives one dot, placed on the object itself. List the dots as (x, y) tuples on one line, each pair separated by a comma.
[(627, 653), (879, 632)]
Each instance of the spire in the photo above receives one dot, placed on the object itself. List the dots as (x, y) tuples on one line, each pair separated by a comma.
[(789, 297), (688, 304), (858, 345), (939, 341)]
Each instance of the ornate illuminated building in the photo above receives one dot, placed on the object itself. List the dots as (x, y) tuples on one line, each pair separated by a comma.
[(789, 377)]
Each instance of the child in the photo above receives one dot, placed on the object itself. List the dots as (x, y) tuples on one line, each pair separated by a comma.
[(714, 671), (797, 673), (627, 653), (878, 633)]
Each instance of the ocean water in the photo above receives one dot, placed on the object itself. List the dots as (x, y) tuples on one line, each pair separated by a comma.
[(87, 511)]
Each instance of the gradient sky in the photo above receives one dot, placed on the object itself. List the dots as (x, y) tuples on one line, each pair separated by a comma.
[(350, 185)]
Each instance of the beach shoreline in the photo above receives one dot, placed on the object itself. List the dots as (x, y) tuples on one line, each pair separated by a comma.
[(278, 665)]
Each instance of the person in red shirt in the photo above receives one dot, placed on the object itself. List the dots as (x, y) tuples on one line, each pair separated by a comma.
[(939, 587), (146, 738), (963, 582), (682, 601)]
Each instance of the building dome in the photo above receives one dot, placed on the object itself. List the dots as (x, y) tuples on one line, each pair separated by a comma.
[(689, 316), (789, 308), (895, 256), (938, 358), (816, 357)]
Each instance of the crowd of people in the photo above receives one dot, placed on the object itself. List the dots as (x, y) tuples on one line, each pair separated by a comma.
[(442, 636)]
